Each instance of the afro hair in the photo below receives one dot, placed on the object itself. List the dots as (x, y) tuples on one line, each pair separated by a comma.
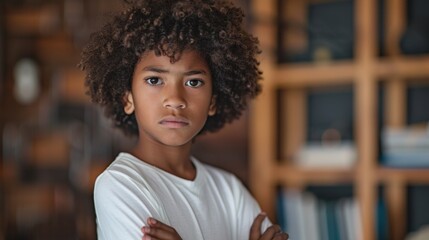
[(168, 27)]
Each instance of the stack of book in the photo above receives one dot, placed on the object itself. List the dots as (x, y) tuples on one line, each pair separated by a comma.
[(406, 147), (303, 216), (327, 155)]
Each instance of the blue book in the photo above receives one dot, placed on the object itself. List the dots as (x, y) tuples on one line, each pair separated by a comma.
[(332, 221), (323, 222), (382, 224), (281, 210), (404, 158)]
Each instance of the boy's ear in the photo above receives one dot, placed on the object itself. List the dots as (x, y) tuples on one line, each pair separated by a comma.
[(212, 107), (128, 103)]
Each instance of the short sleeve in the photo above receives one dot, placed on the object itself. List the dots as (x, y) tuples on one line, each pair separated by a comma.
[(247, 210), (122, 207)]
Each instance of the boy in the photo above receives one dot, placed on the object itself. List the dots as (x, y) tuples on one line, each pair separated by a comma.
[(167, 71)]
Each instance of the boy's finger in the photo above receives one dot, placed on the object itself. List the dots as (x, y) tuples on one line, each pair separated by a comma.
[(281, 236), (255, 229), (146, 237), (271, 232), (156, 233), (158, 224)]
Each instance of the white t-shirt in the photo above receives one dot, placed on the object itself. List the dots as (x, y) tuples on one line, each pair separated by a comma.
[(215, 205)]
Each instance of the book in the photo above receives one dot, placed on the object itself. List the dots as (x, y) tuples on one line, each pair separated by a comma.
[(304, 215), (405, 147), (335, 155), (405, 138)]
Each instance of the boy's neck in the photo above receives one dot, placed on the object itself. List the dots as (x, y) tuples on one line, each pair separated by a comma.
[(174, 160)]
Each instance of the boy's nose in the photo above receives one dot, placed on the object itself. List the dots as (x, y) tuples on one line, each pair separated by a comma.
[(174, 99)]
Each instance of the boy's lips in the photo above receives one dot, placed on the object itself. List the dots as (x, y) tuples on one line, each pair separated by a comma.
[(174, 122)]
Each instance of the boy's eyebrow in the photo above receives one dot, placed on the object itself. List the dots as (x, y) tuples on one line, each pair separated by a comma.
[(155, 69), (195, 72), (160, 70)]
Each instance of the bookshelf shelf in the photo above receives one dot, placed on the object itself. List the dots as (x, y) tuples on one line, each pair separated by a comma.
[(343, 72), (301, 75), (409, 176), (409, 66), (278, 121), (290, 175)]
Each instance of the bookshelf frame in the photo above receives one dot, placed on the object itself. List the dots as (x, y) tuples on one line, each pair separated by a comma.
[(364, 72)]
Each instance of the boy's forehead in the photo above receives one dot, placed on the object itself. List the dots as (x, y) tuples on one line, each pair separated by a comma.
[(187, 59), (188, 52)]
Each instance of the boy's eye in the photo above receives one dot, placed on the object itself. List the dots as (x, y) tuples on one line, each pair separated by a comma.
[(194, 83), (154, 81)]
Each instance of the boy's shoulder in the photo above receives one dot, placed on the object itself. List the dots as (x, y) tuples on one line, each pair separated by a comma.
[(124, 163), (124, 167)]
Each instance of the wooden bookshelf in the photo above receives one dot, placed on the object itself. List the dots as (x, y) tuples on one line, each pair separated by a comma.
[(364, 73), (290, 175)]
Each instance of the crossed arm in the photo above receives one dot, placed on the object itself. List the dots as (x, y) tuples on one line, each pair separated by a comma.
[(156, 230)]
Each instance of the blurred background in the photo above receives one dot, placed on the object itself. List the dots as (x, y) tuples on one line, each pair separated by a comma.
[(336, 147)]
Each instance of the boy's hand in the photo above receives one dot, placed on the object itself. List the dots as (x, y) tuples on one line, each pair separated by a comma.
[(274, 232), (157, 230)]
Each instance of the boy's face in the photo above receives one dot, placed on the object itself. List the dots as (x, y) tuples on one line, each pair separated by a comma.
[(171, 101)]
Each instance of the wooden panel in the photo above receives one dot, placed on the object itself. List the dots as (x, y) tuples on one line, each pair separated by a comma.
[(294, 14), (37, 202), (72, 86), (58, 48), (264, 8), (395, 104), (365, 99), (294, 121), (396, 205), (395, 88), (410, 176), (293, 176), (262, 150), (300, 75), (49, 150), (27, 21), (412, 67), (341, 72), (266, 34), (262, 135), (262, 144), (395, 26)]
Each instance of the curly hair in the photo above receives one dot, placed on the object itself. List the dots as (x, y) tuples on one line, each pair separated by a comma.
[(168, 27)]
